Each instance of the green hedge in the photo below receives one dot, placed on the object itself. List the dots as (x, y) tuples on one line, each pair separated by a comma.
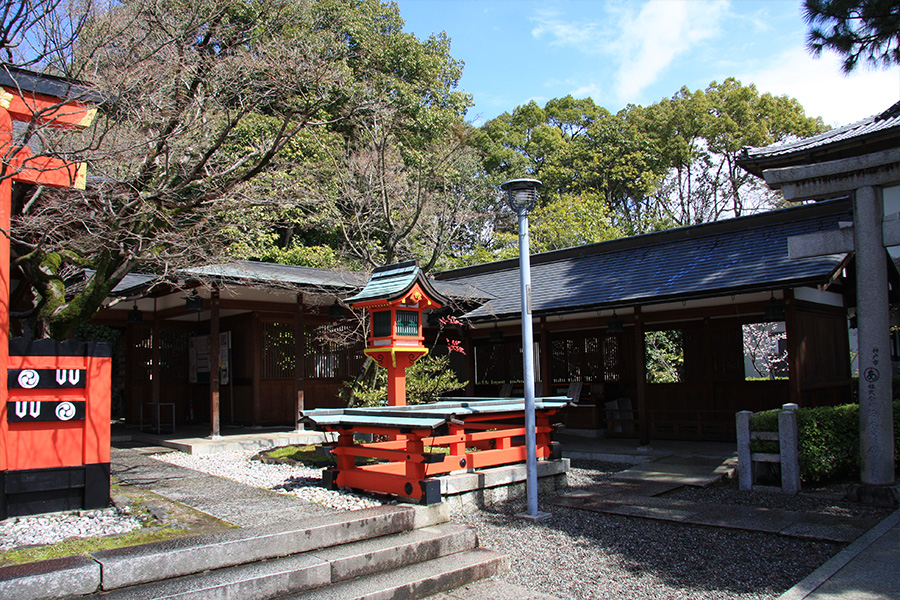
[(828, 438)]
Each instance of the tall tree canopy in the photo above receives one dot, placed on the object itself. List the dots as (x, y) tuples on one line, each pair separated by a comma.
[(857, 30), (207, 101), (669, 164)]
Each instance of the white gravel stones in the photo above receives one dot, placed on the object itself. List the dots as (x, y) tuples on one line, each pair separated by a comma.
[(302, 482), (581, 555), (56, 527)]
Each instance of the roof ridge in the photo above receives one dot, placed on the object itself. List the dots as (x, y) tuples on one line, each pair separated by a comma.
[(654, 238)]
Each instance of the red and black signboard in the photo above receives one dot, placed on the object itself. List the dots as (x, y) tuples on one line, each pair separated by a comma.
[(45, 379), (56, 410)]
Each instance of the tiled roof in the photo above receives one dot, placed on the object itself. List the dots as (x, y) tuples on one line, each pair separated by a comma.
[(285, 276), (865, 136), (288, 277), (49, 85), (714, 259), (392, 281)]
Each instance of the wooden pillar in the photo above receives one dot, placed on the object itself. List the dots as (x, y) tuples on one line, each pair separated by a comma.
[(470, 363), (5, 212), (214, 363), (544, 345), (300, 363), (256, 381), (640, 368), (796, 348), (155, 344)]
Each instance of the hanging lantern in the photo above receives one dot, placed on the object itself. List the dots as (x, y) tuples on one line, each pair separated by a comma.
[(615, 324)]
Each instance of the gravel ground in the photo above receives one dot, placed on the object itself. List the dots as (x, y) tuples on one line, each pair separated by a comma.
[(52, 528), (582, 555), (302, 482), (576, 555)]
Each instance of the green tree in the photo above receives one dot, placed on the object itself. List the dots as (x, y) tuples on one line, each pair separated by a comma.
[(209, 103), (700, 136), (394, 180), (568, 221), (857, 30)]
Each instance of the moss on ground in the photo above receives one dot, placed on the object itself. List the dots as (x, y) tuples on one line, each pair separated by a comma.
[(163, 519)]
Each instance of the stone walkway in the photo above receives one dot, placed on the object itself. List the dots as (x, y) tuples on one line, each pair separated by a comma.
[(639, 492)]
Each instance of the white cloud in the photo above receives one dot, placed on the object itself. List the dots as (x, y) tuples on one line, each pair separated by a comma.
[(581, 34), (823, 90), (650, 40)]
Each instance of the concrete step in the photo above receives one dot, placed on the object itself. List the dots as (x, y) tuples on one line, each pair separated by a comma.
[(383, 554), (176, 558), (310, 570), (415, 581), (161, 561)]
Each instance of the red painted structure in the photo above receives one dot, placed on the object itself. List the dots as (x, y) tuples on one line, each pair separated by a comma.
[(455, 434), (56, 438), (397, 297), (32, 453)]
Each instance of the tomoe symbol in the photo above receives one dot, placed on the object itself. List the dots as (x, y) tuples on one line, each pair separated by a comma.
[(29, 378), (65, 411)]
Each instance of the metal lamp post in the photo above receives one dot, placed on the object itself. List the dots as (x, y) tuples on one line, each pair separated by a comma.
[(522, 195)]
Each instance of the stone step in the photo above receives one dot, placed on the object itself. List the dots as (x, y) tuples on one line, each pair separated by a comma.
[(311, 570), (175, 558), (171, 559), (415, 581)]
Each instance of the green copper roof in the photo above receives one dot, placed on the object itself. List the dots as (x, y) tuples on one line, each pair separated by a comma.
[(392, 281)]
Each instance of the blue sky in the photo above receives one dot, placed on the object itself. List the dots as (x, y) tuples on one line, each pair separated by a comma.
[(638, 52)]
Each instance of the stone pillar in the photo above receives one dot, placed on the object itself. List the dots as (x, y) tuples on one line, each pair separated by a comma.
[(789, 450), (745, 461), (875, 410)]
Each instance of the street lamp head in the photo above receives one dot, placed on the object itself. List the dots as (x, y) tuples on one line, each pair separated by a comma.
[(521, 193)]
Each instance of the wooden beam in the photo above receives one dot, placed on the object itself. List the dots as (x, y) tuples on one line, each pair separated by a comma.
[(47, 110), (214, 364)]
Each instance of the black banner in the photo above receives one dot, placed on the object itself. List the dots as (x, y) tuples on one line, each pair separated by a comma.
[(45, 379), (26, 411)]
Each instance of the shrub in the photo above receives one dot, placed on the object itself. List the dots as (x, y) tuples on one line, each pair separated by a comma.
[(428, 379), (828, 440)]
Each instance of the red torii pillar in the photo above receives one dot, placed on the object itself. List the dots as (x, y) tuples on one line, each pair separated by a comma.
[(19, 164)]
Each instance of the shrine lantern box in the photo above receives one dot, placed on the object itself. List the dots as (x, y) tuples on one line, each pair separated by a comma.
[(55, 427), (397, 297)]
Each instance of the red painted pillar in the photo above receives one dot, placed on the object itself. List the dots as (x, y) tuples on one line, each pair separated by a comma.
[(5, 216), (396, 385)]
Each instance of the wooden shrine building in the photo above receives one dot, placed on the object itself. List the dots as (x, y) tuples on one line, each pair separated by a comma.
[(597, 308)]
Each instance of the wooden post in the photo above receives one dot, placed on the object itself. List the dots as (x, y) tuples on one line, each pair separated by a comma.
[(155, 344), (5, 210), (796, 349), (256, 379), (544, 345), (299, 365), (640, 367), (214, 364)]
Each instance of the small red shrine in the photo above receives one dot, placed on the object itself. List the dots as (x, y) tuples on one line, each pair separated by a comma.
[(396, 297)]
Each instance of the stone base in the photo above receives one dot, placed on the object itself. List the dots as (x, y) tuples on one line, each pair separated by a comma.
[(875, 495), (468, 492)]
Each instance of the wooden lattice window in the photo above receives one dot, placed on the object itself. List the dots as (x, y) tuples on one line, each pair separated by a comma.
[(173, 354), (407, 323), (381, 323), (330, 359), (279, 351)]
